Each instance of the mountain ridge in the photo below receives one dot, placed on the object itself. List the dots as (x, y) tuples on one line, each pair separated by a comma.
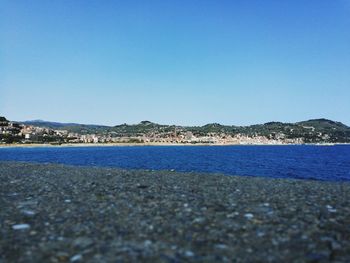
[(39, 123)]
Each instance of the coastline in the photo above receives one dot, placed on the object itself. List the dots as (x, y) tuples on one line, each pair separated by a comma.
[(154, 144), (60, 213)]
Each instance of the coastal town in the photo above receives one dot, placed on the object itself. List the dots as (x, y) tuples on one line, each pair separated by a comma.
[(145, 133)]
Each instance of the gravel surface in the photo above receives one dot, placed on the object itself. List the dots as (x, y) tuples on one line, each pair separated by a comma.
[(57, 213)]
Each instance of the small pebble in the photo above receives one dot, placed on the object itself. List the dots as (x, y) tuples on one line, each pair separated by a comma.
[(221, 246), (62, 256), (189, 253), (147, 243), (142, 186), (232, 215), (198, 220), (28, 212), (21, 227), (249, 216), (83, 242), (77, 257), (260, 234), (331, 209)]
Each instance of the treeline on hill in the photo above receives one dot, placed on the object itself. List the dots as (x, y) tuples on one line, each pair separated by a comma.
[(312, 131)]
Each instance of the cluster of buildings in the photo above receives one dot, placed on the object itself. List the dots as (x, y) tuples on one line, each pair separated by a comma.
[(9, 128), (219, 138), (185, 137), (14, 132)]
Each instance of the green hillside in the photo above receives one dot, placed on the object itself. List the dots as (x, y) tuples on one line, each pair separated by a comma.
[(311, 131)]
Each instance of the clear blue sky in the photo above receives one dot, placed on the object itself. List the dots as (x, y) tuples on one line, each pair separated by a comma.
[(183, 62)]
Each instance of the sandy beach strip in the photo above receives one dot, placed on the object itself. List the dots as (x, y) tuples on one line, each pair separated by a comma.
[(57, 213), (32, 145)]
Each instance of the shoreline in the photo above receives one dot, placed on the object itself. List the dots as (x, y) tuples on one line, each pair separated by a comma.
[(60, 213), (155, 144)]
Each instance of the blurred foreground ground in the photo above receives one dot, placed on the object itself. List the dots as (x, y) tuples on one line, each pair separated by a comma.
[(56, 213)]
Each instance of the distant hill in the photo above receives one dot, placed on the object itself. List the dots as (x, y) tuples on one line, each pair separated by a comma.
[(141, 128), (72, 127), (3, 119), (48, 124), (323, 124)]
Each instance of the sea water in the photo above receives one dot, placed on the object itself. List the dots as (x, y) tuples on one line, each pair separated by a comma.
[(330, 163)]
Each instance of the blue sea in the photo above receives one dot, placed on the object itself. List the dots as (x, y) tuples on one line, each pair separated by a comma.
[(329, 163)]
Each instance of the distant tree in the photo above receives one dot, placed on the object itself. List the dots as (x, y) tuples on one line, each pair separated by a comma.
[(3, 119)]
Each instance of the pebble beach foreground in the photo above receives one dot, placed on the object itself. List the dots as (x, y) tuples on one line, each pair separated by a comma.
[(57, 213)]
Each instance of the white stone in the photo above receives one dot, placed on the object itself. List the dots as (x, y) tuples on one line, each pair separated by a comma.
[(28, 212), (21, 227), (249, 216), (331, 209), (76, 258)]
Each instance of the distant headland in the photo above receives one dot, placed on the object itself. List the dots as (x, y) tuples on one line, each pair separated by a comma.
[(315, 131)]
